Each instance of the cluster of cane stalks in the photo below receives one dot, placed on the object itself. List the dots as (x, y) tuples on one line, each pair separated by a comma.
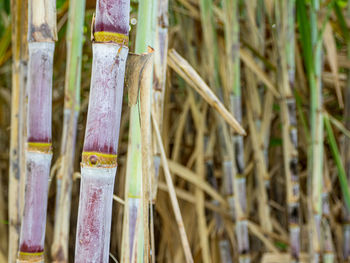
[(175, 131)]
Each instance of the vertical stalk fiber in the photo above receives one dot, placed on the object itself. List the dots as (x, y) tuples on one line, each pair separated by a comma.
[(233, 65), (99, 158), (285, 19), (71, 111), (20, 56), (41, 37)]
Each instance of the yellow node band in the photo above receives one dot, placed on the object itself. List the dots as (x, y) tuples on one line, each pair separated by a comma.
[(41, 147), (103, 36), (30, 257), (31, 254), (96, 159)]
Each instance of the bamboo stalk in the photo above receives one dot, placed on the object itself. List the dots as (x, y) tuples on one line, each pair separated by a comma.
[(99, 158), (41, 37), (286, 77), (16, 178), (59, 248)]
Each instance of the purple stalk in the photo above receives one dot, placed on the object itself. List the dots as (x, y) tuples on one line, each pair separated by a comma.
[(39, 154), (99, 161)]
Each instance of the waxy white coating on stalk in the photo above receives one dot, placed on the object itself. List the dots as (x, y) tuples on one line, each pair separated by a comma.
[(34, 217), (106, 97), (95, 213), (38, 162), (40, 91), (134, 208), (102, 132), (225, 251)]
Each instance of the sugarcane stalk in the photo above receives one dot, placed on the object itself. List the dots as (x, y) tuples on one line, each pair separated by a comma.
[(233, 79), (315, 159), (139, 73), (255, 117), (75, 34), (286, 77), (19, 72), (223, 241), (99, 158), (135, 234), (159, 81), (328, 247), (211, 49), (41, 36)]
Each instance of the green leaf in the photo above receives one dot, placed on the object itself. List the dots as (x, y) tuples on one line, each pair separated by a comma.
[(338, 160)]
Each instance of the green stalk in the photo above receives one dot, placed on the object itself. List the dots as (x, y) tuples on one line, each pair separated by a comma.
[(344, 187), (316, 123), (75, 34), (312, 50), (338, 160), (158, 91), (233, 74), (135, 237)]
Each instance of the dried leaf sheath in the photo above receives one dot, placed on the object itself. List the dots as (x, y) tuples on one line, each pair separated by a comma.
[(16, 170), (99, 159)]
